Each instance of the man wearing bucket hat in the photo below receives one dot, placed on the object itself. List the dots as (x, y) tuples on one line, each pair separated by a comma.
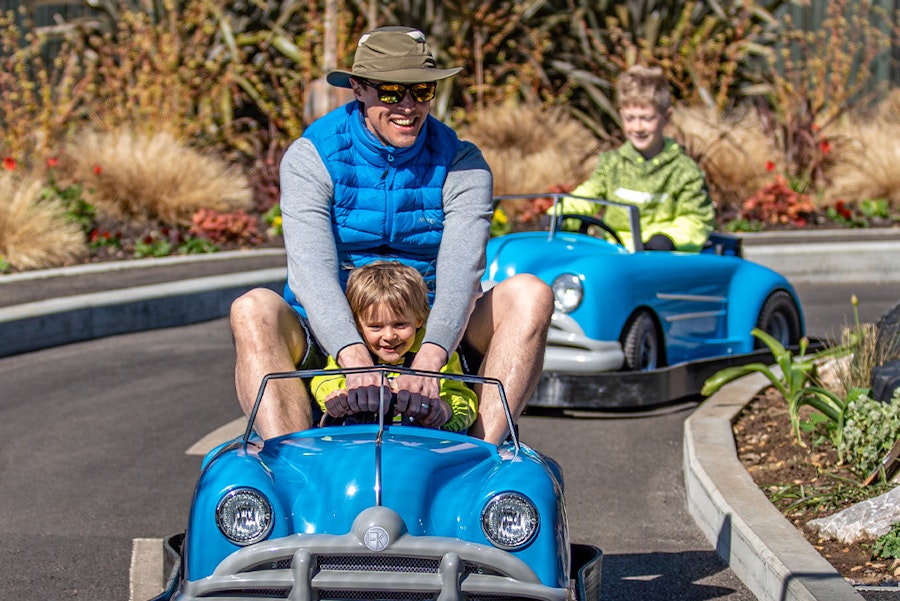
[(380, 178)]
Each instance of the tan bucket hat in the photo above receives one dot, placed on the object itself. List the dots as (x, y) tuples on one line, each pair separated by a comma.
[(392, 54)]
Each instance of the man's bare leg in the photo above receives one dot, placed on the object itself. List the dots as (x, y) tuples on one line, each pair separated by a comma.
[(509, 326), (268, 338)]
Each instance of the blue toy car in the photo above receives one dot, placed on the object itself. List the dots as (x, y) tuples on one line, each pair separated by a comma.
[(379, 511), (620, 309)]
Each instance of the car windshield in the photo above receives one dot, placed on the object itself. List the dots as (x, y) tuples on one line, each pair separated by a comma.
[(540, 217), (387, 374)]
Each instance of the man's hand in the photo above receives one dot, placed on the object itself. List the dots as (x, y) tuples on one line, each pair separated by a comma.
[(419, 397), (364, 389), (336, 403)]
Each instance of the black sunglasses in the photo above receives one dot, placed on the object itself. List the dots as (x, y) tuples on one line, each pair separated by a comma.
[(392, 93)]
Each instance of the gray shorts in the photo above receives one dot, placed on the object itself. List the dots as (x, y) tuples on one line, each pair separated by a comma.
[(315, 356)]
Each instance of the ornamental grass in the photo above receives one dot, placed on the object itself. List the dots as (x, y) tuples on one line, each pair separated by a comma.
[(35, 231), (131, 175)]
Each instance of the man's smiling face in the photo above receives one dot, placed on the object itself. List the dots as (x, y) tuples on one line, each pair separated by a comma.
[(396, 125)]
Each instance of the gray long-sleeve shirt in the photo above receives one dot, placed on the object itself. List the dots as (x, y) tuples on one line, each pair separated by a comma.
[(306, 197)]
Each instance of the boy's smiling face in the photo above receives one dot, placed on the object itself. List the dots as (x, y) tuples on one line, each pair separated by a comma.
[(388, 334), (643, 126)]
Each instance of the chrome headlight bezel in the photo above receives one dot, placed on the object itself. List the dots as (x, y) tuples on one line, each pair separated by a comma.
[(510, 520), (568, 292), (244, 516)]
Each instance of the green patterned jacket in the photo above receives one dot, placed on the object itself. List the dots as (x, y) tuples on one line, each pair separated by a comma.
[(670, 190)]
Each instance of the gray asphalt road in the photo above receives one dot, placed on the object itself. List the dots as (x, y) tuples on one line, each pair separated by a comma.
[(92, 441)]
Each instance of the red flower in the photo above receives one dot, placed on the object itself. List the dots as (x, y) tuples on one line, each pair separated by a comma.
[(98, 169), (52, 162), (9, 163), (770, 166), (825, 146)]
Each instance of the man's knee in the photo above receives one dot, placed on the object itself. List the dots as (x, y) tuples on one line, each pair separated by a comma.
[(530, 295), (253, 305)]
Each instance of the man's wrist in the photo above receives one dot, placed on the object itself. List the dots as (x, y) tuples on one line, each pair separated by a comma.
[(354, 355), (430, 357)]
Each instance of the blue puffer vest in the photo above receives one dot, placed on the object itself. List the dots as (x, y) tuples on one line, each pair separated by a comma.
[(388, 202)]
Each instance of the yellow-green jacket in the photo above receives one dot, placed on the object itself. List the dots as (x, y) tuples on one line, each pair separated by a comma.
[(462, 400), (670, 190)]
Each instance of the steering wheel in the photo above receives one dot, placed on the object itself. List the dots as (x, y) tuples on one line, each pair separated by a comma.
[(588, 220)]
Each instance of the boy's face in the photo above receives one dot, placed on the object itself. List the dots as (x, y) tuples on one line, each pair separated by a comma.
[(388, 335), (643, 126)]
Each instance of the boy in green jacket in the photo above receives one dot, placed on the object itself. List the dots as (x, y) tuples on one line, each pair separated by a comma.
[(389, 301), (649, 171)]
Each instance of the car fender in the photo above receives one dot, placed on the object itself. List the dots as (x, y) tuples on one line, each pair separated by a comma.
[(529, 475), (237, 468), (750, 287)]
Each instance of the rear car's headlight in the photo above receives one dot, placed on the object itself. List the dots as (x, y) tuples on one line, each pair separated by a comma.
[(509, 520), (244, 516), (567, 292)]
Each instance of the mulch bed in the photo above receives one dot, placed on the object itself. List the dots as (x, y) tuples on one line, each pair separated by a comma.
[(787, 472)]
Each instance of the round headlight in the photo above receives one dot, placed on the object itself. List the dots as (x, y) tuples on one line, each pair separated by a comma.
[(567, 292), (244, 516), (509, 520)]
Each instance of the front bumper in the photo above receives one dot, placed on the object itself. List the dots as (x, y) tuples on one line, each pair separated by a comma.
[(570, 351), (377, 555)]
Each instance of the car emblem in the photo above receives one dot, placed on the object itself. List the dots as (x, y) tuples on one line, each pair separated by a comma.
[(377, 538)]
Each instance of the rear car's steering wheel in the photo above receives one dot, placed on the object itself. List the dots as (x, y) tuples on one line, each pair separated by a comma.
[(588, 220)]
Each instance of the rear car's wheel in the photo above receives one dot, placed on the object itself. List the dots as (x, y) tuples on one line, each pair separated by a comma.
[(641, 344), (780, 318)]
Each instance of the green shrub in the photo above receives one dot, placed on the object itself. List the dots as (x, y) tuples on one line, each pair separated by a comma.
[(870, 430), (888, 545)]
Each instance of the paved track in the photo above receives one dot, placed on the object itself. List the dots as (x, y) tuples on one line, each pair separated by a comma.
[(93, 438)]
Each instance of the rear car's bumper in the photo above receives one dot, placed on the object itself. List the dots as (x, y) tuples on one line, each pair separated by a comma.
[(570, 351)]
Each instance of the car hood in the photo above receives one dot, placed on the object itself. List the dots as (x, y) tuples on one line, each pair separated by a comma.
[(415, 463), (538, 252)]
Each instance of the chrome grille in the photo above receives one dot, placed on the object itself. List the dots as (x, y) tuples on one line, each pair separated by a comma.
[(368, 596), (378, 563)]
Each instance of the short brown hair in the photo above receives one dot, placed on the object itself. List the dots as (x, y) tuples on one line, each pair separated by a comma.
[(399, 286), (641, 85)]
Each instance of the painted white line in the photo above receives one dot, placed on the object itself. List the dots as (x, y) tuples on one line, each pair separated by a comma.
[(218, 436), (146, 572)]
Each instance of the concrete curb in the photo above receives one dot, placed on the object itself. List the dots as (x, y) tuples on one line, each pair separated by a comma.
[(827, 262), (751, 536), (43, 324)]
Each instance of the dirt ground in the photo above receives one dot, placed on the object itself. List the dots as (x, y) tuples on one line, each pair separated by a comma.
[(787, 473)]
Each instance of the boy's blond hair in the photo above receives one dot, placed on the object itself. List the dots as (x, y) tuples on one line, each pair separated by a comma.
[(643, 86), (398, 286)]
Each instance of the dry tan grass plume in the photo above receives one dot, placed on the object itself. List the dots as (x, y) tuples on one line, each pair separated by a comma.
[(531, 149), (35, 233), (131, 175)]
